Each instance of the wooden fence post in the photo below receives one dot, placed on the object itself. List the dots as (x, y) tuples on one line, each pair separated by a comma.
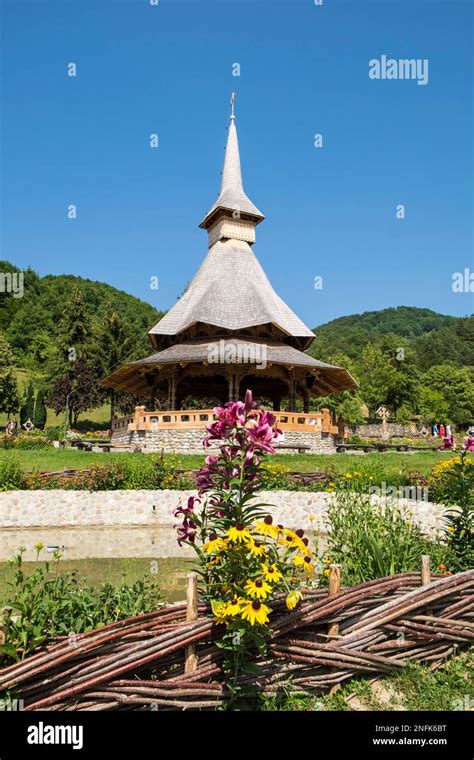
[(334, 586), (190, 662), (425, 570), (333, 628)]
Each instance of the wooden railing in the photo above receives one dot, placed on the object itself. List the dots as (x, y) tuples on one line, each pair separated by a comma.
[(143, 420)]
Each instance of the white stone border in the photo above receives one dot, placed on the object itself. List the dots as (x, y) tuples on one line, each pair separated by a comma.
[(59, 508)]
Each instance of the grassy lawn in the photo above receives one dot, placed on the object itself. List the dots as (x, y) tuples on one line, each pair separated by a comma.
[(51, 460), (416, 687)]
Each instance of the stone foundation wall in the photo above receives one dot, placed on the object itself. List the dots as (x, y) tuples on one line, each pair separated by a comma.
[(57, 508), (189, 440), (375, 430)]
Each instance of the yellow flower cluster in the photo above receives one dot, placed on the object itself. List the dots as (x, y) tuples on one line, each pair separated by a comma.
[(251, 608), (250, 605)]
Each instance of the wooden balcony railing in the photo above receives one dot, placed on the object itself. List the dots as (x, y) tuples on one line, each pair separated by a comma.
[(143, 420)]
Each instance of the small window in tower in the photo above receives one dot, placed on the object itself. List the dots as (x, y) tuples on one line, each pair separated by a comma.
[(166, 418)]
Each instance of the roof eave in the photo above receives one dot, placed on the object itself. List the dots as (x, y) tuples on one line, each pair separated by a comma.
[(213, 215)]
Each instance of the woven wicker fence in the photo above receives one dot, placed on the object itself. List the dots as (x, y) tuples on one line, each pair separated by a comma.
[(373, 628)]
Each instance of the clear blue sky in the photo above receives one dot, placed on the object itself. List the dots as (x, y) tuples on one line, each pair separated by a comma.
[(304, 70)]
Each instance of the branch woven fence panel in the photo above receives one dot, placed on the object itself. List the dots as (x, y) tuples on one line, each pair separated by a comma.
[(139, 662)]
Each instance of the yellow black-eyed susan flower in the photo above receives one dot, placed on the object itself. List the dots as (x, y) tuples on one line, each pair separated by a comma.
[(255, 612), (215, 544), (257, 548), (266, 528), (258, 589), (233, 607), (305, 563), (271, 573), (239, 533), (292, 599), (219, 610)]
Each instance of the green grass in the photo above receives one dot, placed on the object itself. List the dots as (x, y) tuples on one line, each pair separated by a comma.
[(51, 460), (416, 687)]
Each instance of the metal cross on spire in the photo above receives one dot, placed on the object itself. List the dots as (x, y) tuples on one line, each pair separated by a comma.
[(232, 106)]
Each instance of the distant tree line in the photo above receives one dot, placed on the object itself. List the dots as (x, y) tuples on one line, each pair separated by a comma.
[(67, 333)]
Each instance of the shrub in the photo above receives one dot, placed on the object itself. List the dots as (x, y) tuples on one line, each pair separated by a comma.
[(459, 519), (48, 602), (54, 433), (275, 476), (30, 442), (6, 442), (41, 414), (449, 480), (135, 471), (27, 408), (11, 476), (374, 540)]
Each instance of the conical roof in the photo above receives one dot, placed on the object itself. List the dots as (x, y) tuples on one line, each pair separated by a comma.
[(231, 291), (232, 196)]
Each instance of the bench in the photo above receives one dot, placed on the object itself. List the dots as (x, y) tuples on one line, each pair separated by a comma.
[(300, 448), (106, 447), (342, 447), (81, 445)]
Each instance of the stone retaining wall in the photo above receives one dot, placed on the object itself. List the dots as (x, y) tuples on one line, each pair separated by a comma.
[(189, 440), (375, 430), (27, 509)]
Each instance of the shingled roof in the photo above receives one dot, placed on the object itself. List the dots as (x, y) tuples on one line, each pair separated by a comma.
[(329, 378), (232, 196), (231, 290)]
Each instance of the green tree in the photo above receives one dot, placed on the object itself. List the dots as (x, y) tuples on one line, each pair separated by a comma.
[(8, 386), (114, 343), (75, 391), (432, 405), (73, 368), (41, 414), (27, 409), (403, 415), (351, 409), (457, 388), (377, 377)]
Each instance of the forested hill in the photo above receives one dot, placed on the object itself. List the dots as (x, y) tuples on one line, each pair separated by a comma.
[(435, 338), (30, 323)]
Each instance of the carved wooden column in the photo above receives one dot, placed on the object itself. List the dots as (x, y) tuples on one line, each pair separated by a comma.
[(174, 384), (231, 382), (305, 401), (291, 391)]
